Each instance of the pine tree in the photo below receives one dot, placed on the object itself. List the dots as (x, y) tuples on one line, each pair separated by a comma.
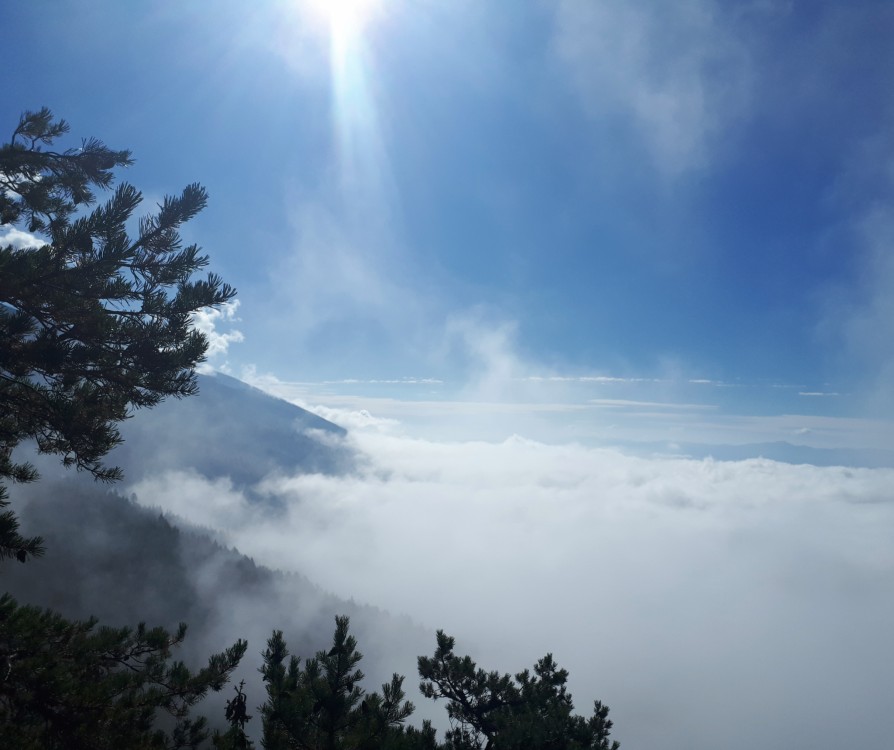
[(71, 684), (93, 323), (237, 715), (493, 711), (323, 706)]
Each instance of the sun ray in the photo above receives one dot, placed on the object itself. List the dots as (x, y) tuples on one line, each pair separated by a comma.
[(359, 150)]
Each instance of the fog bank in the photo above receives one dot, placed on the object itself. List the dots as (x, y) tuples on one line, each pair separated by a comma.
[(710, 604)]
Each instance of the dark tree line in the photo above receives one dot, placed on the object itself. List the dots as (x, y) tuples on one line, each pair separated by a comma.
[(322, 706), (70, 684), (95, 324)]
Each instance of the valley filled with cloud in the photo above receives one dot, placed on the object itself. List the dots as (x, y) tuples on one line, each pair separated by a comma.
[(690, 594)]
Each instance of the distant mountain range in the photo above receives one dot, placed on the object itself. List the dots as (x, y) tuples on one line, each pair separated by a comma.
[(782, 451)]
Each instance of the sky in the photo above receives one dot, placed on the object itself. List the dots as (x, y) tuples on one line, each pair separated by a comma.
[(549, 262), (550, 202)]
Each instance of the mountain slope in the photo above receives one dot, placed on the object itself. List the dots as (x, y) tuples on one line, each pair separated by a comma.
[(230, 429), (111, 558)]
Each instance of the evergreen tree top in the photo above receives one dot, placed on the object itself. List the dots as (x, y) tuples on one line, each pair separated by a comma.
[(94, 323)]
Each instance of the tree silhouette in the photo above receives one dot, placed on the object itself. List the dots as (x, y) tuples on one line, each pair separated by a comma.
[(70, 684), (493, 711), (93, 323), (321, 707)]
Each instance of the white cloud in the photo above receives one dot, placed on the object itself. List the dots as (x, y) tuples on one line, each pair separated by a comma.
[(557, 411), (211, 504), (489, 350), (208, 319), (690, 595), (9, 235), (353, 419), (677, 71)]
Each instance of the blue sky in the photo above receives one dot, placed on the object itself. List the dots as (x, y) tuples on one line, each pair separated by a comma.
[(682, 203)]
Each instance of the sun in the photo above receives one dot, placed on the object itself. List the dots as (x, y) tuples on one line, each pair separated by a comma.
[(344, 17)]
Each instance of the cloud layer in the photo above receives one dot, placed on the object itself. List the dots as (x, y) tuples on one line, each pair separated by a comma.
[(692, 596)]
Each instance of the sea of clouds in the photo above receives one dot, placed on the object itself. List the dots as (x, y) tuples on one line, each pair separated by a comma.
[(710, 604)]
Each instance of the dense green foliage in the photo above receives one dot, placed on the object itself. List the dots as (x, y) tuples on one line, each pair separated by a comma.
[(70, 684), (323, 705), (93, 323)]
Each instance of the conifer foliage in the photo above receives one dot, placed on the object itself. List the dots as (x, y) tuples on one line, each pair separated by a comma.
[(322, 706), (71, 685), (94, 323), (489, 710), (235, 738)]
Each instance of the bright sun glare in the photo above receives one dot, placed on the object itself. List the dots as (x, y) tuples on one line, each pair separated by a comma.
[(356, 140), (344, 17)]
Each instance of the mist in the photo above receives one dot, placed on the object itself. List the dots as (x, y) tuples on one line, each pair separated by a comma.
[(708, 603)]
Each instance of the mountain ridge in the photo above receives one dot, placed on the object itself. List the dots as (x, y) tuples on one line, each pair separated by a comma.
[(231, 429)]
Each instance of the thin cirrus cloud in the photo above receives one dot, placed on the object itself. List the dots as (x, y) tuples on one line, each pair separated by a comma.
[(346, 288), (678, 74), (860, 318)]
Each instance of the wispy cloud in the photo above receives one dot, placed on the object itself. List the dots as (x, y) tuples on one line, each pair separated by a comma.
[(208, 320), (864, 315), (620, 402), (387, 381), (590, 379), (677, 71), (347, 286), (570, 416), (331, 273), (858, 320)]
